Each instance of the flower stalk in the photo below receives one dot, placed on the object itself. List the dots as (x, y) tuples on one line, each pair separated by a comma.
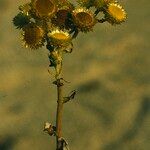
[(59, 114), (55, 23)]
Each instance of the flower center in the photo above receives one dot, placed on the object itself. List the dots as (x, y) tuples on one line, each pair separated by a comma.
[(84, 18), (60, 36), (116, 12), (33, 35)]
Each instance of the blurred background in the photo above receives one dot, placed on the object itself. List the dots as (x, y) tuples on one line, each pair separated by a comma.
[(109, 68)]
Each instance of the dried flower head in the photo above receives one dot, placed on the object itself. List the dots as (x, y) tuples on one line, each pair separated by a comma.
[(59, 38), (83, 19), (33, 36), (115, 14), (44, 8)]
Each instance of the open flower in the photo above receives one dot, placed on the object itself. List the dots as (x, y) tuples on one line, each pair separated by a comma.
[(59, 38), (115, 14), (44, 8), (33, 36), (83, 19)]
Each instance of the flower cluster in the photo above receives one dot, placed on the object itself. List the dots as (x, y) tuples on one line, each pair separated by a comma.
[(57, 22)]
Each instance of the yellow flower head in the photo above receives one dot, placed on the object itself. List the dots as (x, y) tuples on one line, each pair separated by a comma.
[(33, 36), (115, 14), (59, 38), (44, 8), (83, 19)]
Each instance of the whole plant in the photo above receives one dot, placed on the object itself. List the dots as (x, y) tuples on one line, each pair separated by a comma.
[(54, 24)]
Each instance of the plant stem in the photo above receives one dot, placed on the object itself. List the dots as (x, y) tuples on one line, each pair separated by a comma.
[(59, 144)]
